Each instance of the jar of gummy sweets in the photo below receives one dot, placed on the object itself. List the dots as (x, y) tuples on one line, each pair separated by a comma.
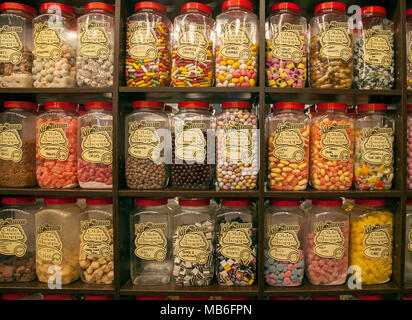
[(409, 147), (330, 47), (374, 140), (16, 45), (192, 167), (150, 242), (326, 242), (147, 136), (148, 46), (236, 243), (287, 132), (56, 146), (371, 240), (408, 242), (409, 47), (94, 147), (55, 38), (95, 46), (236, 45), (193, 46), (284, 263), (18, 144), (331, 151), (193, 243), (286, 52)]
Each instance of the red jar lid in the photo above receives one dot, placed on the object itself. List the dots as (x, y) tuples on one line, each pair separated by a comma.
[(325, 297), (48, 296), (289, 105), (54, 201), (99, 104), (194, 202), (408, 296), (150, 5), (98, 297), (410, 105), (327, 202), (17, 200), (371, 202), (54, 5), (284, 203), (60, 105), (193, 104), (409, 12), (147, 104), (236, 202), (18, 6), (409, 201), (14, 296), (331, 106), (369, 297), (373, 9), (99, 6), (285, 298), (372, 106), (150, 202), (81, 110), (237, 3), (197, 6), (194, 298), (236, 104), (150, 297), (98, 201), (20, 104), (285, 6), (236, 298), (330, 5)]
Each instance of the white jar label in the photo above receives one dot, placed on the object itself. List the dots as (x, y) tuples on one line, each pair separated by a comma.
[(335, 142), (144, 140), (94, 42), (237, 142), (235, 241), (287, 43), (47, 42), (12, 237), (284, 243), (377, 146), (97, 144), (377, 241), (190, 143), (48, 244), (142, 40), (377, 47), (10, 142), (95, 238), (192, 244), (288, 142), (192, 42), (335, 41), (52, 141), (235, 42), (150, 241), (329, 240), (10, 44)]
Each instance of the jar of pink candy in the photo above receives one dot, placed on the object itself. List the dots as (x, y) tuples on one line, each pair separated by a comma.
[(409, 146), (286, 47), (326, 242)]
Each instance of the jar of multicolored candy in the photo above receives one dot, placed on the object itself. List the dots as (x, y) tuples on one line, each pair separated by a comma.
[(374, 138), (409, 47), (408, 242), (331, 152), (237, 45), (193, 46), (148, 46), (288, 146), (409, 148), (286, 52)]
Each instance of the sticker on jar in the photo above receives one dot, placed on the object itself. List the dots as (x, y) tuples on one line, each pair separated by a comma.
[(237, 142), (47, 42), (287, 43), (377, 147), (190, 143), (288, 143), (144, 140), (95, 238), (335, 142), (193, 42), (10, 142), (235, 240), (142, 40), (97, 144), (53, 141), (377, 47), (150, 241), (377, 241), (284, 243), (236, 41), (12, 237), (48, 244), (94, 42), (410, 239), (335, 41), (192, 243), (329, 240), (10, 44)]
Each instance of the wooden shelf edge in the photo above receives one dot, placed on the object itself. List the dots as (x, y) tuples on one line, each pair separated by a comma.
[(56, 90), (189, 90), (57, 192), (356, 92), (328, 194), (189, 193)]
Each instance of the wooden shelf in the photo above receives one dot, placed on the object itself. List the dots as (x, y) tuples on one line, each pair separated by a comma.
[(57, 192), (331, 194), (56, 90), (188, 193), (188, 90)]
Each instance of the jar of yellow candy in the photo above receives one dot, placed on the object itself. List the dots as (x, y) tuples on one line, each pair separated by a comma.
[(371, 234)]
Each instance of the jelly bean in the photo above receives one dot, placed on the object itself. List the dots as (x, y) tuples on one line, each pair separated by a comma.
[(279, 273)]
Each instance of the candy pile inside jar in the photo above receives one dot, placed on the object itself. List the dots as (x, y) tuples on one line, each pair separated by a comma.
[(409, 147)]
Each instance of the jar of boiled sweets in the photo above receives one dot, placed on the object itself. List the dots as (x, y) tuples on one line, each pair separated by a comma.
[(326, 243), (18, 239), (236, 45), (237, 146), (55, 38), (236, 243), (193, 46), (284, 259), (374, 140), (409, 48), (56, 145), (96, 242), (18, 144), (148, 46), (193, 243), (95, 46), (16, 45), (331, 151), (409, 147), (286, 51), (147, 135), (192, 168), (95, 146), (150, 242), (371, 240), (330, 47), (408, 242), (288, 130)]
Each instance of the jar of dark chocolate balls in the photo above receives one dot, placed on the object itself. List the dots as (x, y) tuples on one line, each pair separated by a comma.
[(146, 128), (193, 168)]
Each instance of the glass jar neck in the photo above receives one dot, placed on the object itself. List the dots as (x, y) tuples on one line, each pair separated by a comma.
[(101, 11), (288, 110), (17, 12), (237, 8), (285, 11), (92, 110), (339, 111), (364, 112), (373, 15), (62, 13), (197, 11), (330, 10), (150, 10), (154, 110), (194, 110)]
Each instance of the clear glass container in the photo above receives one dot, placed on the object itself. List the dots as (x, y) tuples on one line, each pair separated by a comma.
[(148, 45), (18, 144), (409, 148), (331, 151), (193, 243), (287, 134), (55, 38), (56, 146), (95, 146), (374, 142), (409, 48), (284, 258), (96, 242), (58, 240), (16, 45), (330, 47), (95, 46), (147, 138), (371, 240), (408, 242), (286, 47), (193, 46), (193, 167), (17, 239), (236, 243), (326, 242), (150, 242)]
